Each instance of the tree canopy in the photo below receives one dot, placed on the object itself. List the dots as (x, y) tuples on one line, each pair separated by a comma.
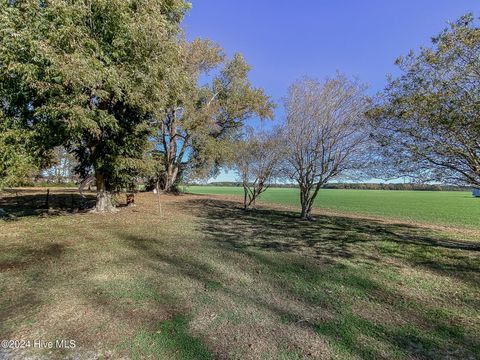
[(105, 78), (17, 163), (90, 75), (196, 130), (426, 120), (325, 133)]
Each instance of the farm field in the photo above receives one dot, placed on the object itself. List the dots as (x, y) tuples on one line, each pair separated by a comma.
[(447, 208), (211, 281)]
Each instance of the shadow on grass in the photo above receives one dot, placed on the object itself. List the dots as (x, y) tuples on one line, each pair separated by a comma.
[(311, 276), (347, 253), (335, 237), (264, 224), (26, 257), (34, 263), (329, 289), (34, 202)]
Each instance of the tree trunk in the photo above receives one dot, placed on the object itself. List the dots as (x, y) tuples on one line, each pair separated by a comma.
[(170, 178), (305, 203), (307, 211), (308, 214), (305, 215), (245, 195), (104, 196)]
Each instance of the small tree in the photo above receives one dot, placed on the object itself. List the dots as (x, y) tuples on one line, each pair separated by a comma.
[(256, 162), (427, 120), (324, 133)]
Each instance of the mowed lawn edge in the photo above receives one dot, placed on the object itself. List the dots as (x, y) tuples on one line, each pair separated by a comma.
[(446, 209)]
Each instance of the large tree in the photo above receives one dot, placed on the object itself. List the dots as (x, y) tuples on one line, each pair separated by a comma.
[(197, 128), (91, 75), (325, 133), (427, 119)]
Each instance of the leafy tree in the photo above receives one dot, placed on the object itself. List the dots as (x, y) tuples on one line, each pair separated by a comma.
[(257, 162), (16, 163), (426, 120), (325, 133), (21, 154), (197, 128), (91, 75)]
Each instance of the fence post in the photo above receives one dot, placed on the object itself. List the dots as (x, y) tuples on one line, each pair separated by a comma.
[(47, 200)]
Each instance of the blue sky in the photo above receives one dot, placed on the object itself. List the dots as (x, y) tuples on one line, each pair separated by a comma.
[(284, 40)]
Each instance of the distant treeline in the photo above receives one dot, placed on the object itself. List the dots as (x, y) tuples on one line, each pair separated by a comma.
[(361, 186)]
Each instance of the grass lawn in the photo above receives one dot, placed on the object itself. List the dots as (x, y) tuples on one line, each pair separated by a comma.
[(212, 281), (448, 208)]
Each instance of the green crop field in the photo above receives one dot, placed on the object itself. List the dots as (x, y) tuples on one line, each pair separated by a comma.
[(449, 208)]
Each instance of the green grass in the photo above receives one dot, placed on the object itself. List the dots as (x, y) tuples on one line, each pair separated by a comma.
[(209, 281), (167, 340), (448, 208)]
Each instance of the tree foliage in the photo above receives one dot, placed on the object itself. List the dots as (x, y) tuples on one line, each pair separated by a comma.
[(427, 119), (91, 75), (196, 130), (17, 164)]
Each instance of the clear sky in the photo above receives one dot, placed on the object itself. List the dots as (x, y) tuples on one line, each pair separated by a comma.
[(284, 40)]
